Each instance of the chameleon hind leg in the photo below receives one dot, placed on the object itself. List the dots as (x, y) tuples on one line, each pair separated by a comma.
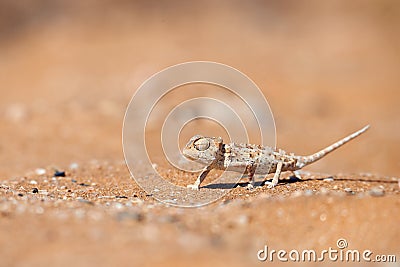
[(251, 169)]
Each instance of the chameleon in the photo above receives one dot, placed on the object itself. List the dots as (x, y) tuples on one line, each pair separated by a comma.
[(251, 159)]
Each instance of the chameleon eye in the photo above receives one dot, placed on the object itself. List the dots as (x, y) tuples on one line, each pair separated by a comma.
[(202, 144)]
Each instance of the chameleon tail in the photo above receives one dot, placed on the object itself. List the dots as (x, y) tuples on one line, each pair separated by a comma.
[(306, 160)]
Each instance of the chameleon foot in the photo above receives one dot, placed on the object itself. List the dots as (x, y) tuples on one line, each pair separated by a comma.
[(250, 187), (270, 184), (297, 174), (193, 187)]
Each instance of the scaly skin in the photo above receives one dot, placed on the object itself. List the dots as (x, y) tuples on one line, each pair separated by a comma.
[(254, 159)]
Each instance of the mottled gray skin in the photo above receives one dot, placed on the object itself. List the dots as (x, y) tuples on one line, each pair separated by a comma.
[(253, 159)]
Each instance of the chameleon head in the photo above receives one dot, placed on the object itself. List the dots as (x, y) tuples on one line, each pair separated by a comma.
[(203, 149)]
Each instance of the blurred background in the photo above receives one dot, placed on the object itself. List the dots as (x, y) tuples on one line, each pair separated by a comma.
[(327, 68)]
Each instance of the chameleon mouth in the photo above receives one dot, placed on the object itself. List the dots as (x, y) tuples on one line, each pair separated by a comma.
[(186, 155)]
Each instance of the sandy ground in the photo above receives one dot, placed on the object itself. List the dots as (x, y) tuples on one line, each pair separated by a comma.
[(68, 71)]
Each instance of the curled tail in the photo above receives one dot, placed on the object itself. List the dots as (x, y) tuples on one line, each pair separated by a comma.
[(306, 160)]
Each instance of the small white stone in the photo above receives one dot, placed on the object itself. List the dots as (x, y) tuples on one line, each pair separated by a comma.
[(39, 210), (308, 192), (296, 194), (40, 171), (242, 220), (323, 191), (118, 206), (348, 190), (80, 213), (377, 192), (16, 113), (33, 182), (43, 192), (74, 166), (280, 212)]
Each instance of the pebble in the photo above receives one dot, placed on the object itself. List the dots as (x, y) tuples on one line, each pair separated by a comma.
[(43, 192), (329, 179), (33, 182), (39, 210), (308, 192), (137, 201), (323, 191), (40, 171), (35, 190), (82, 200), (367, 174), (80, 213), (118, 206), (59, 174), (74, 166), (349, 191), (136, 216), (296, 194), (377, 192), (4, 186), (16, 113), (242, 220)]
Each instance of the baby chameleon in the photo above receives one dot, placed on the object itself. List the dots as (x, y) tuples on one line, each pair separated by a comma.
[(253, 159)]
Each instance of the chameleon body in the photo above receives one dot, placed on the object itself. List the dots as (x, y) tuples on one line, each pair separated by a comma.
[(253, 159)]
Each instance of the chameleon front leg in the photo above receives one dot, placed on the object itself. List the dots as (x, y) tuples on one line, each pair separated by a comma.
[(200, 178), (250, 172), (277, 174)]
